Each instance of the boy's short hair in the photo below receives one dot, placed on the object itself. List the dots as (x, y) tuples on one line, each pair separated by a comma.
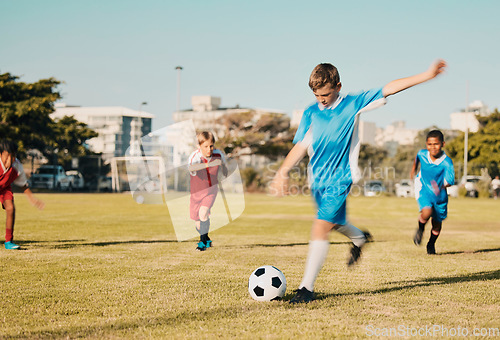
[(204, 136), (322, 75), (9, 146), (435, 134)]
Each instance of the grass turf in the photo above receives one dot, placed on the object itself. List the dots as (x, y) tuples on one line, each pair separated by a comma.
[(101, 266)]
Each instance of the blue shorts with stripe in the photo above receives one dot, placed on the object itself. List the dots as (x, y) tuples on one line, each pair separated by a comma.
[(331, 203), (439, 209)]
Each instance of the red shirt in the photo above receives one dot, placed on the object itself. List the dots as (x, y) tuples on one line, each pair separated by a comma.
[(15, 174)]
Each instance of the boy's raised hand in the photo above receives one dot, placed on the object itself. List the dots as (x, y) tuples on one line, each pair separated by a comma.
[(437, 68)]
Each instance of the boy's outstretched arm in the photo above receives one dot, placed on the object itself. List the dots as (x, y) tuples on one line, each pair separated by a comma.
[(33, 200), (279, 185), (399, 85)]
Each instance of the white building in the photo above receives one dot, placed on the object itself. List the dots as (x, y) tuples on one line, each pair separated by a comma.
[(467, 119), (367, 132), (118, 127), (207, 113), (396, 132)]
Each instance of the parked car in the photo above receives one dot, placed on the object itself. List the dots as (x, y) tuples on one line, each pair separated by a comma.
[(405, 188), (105, 184), (470, 184), (50, 177), (77, 181), (373, 188)]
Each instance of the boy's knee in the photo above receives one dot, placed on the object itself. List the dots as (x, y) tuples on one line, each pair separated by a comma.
[(10, 209), (204, 211), (426, 213)]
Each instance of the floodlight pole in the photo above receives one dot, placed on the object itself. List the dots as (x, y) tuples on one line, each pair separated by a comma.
[(178, 106), (466, 137), (140, 106)]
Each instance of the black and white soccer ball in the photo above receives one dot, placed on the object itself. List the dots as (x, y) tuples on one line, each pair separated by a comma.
[(267, 283)]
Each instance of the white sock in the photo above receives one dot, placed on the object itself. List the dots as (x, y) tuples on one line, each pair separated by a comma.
[(357, 236), (317, 254)]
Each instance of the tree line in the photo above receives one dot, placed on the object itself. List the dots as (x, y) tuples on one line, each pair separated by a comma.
[(25, 110)]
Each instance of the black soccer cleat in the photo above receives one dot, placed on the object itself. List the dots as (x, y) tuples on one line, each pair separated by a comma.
[(417, 239), (368, 236), (303, 296), (431, 249), (355, 255), (356, 251)]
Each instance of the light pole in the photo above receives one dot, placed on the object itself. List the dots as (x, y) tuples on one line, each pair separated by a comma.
[(178, 106), (466, 137)]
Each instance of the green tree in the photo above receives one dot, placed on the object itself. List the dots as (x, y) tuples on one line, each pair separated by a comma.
[(25, 110), (69, 138), (249, 133), (483, 147)]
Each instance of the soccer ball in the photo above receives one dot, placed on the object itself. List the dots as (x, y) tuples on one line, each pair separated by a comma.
[(267, 283)]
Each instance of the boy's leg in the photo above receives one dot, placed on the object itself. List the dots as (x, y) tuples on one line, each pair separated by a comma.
[(358, 238), (10, 211), (201, 245), (318, 250), (424, 216), (436, 230), (205, 225)]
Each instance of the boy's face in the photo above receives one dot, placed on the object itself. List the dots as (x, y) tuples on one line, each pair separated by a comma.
[(327, 95), (434, 146), (207, 147)]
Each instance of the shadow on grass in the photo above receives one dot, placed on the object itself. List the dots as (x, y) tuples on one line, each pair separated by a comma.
[(121, 328), (287, 244), (426, 282), (469, 251), (67, 244)]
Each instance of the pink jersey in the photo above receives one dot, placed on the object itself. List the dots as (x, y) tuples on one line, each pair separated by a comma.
[(206, 178)]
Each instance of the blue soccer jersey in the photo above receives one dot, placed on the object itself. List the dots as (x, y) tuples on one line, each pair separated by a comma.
[(331, 137), (430, 183)]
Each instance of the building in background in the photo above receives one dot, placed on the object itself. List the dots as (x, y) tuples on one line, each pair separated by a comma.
[(118, 127), (466, 119), (206, 114), (367, 132), (398, 133)]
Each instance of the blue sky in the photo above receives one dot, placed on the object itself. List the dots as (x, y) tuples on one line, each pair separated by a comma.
[(255, 53)]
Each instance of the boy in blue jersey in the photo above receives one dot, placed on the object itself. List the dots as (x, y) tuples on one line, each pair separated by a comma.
[(436, 173), (328, 133)]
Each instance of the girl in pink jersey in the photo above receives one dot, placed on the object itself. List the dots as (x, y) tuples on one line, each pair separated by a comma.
[(11, 172)]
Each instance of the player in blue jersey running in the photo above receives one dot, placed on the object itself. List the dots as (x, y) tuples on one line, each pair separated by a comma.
[(436, 173), (328, 133)]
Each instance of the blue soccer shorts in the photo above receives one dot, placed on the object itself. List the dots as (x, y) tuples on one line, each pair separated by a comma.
[(439, 210), (331, 204)]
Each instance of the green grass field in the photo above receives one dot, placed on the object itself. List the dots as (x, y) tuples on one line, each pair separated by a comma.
[(102, 266)]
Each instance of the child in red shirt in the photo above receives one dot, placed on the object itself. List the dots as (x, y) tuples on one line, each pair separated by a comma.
[(204, 165), (11, 172)]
